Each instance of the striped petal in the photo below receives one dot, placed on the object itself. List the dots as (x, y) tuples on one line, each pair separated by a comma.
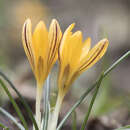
[(27, 42), (94, 55), (54, 38)]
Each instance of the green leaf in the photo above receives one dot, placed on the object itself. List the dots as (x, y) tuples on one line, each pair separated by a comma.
[(3, 126), (15, 105), (29, 111), (124, 128), (74, 121), (91, 104), (116, 63), (11, 118)]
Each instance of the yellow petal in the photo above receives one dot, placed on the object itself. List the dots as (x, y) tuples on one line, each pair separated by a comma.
[(27, 42), (94, 55), (74, 49), (69, 61), (86, 48), (54, 39), (64, 46), (63, 53), (40, 40)]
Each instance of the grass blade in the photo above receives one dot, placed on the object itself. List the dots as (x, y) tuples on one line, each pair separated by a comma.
[(14, 105), (91, 88), (116, 63), (11, 118), (124, 128), (74, 121), (91, 104), (4, 127), (21, 98)]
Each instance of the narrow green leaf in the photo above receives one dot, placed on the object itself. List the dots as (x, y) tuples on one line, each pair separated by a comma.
[(91, 104), (11, 118), (124, 128), (29, 111), (3, 126), (91, 88), (116, 63), (14, 105), (74, 121)]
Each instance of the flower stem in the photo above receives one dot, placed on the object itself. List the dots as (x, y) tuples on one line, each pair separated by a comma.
[(46, 104), (55, 115), (38, 103)]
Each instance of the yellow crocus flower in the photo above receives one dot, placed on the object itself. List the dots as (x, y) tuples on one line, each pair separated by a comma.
[(41, 48), (75, 56)]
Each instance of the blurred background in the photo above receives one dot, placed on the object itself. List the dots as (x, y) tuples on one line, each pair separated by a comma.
[(96, 19)]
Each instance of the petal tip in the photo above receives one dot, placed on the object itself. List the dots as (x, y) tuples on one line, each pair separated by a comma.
[(104, 41), (41, 23), (28, 20), (54, 22), (72, 25), (89, 38), (27, 23)]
